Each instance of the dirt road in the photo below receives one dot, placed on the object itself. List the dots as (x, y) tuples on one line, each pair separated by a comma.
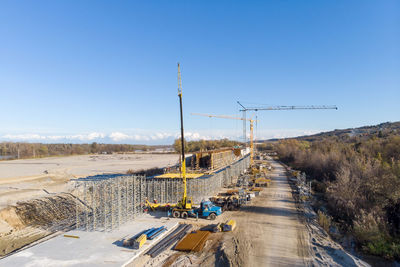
[(271, 227), (273, 230)]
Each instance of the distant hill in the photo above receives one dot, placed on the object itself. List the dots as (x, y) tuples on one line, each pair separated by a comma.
[(380, 129)]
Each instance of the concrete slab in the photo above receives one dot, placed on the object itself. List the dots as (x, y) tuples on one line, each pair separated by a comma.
[(91, 248)]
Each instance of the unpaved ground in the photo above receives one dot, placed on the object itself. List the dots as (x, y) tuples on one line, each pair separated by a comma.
[(272, 230), (208, 257), (22, 181), (26, 178), (83, 165), (269, 230), (28, 221), (269, 233), (277, 230)]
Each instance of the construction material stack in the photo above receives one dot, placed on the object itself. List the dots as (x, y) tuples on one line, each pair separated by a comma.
[(169, 240), (193, 242)]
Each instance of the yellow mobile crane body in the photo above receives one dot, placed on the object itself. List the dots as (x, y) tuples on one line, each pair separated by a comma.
[(184, 207), (185, 203)]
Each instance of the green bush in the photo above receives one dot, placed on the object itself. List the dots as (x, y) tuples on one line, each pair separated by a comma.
[(373, 237), (386, 248)]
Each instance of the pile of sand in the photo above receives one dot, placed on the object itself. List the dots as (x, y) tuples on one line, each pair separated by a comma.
[(9, 219)]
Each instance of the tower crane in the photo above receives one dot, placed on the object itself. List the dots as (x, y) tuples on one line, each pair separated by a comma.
[(268, 108), (235, 118)]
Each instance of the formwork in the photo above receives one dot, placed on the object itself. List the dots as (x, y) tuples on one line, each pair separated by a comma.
[(111, 200), (193, 242), (214, 159)]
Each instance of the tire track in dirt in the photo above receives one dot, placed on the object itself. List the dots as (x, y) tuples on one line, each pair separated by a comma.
[(269, 228)]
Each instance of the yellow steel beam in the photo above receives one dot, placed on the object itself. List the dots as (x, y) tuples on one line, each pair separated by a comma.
[(178, 175)]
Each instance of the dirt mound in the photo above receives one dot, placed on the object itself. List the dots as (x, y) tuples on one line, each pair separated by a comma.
[(48, 211), (233, 250), (11, 218), (28, 221), (14, 240)]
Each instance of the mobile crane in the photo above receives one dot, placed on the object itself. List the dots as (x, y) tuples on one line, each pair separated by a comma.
[(184, 207)]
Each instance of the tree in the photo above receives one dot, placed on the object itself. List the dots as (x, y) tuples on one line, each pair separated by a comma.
[(43, 150), (94, 148)]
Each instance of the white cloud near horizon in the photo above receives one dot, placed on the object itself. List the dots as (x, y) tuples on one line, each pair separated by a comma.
[(80, 137), (151, 137)]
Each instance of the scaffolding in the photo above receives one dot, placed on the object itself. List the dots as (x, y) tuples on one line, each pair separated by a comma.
[(108, 201), (213, 159)]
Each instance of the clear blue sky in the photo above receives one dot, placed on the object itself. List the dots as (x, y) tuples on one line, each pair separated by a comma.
[(84, 71)]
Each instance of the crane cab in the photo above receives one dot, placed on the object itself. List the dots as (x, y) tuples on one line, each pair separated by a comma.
[(185, 203)]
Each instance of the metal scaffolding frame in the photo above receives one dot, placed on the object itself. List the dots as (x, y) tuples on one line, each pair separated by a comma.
[(105, 202)]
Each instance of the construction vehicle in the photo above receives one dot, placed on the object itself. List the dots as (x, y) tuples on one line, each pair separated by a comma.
[(207, 210), (152, 206), (232, 202), (157, 206), (184, 208)]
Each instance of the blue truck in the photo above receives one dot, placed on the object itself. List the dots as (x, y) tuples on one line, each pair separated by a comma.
[(207, 210)]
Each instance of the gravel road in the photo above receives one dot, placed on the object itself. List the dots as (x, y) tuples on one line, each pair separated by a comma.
[(269, 228)]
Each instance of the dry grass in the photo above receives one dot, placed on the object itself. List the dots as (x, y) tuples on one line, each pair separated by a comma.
[(324, 220)]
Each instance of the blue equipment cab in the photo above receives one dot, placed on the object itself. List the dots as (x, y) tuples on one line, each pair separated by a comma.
[(207, 210)]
